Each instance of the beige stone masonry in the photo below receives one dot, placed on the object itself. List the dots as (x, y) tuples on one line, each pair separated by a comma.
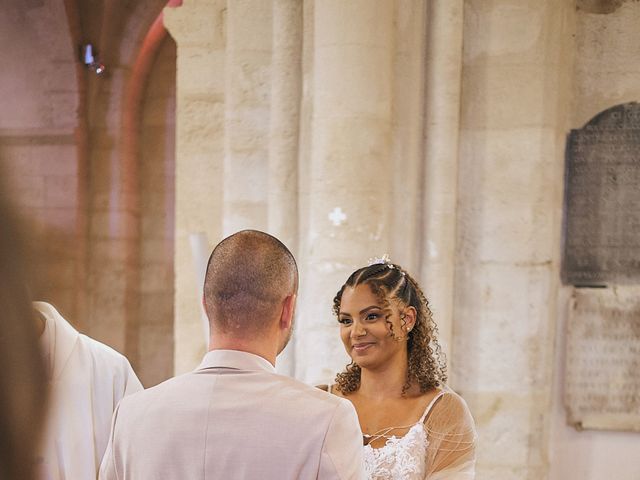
[(199, 30)]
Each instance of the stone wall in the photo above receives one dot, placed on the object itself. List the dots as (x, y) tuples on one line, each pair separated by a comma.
[(607, 65), (157, 199), (101, 238), (38, 143), (509, 214)]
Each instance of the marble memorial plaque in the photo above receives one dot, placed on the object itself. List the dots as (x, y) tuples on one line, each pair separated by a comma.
[(602, 377), (602, 200)]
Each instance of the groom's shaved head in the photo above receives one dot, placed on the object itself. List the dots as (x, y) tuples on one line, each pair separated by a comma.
[(248, 276)]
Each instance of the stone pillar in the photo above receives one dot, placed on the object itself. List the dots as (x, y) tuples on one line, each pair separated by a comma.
[(345, 187), (442, 123), (407, 148), (286, 87), (247, 92), (198, 28), (114, 228), (513, 124)]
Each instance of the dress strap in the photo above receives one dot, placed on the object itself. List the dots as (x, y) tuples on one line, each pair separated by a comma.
[(430, 406)]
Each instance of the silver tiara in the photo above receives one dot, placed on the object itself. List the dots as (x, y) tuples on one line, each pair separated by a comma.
[(384, 260)]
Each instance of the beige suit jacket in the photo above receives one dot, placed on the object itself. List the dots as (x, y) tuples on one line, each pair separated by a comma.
[(233, 418)]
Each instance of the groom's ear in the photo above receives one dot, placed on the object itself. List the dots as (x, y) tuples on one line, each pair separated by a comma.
[(288, 308)]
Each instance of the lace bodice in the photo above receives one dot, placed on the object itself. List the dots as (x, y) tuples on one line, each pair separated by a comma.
[(400, 457), (439, 446)]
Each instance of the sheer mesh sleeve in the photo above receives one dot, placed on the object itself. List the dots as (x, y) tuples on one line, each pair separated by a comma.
[(451, 436)]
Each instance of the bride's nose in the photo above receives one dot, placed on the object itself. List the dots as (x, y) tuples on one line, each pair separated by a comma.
[(358, 330)]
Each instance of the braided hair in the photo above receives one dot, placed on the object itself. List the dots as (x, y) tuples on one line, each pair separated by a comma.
[(427, 364)]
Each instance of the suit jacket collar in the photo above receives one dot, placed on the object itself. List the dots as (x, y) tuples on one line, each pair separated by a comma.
[(237, 360)]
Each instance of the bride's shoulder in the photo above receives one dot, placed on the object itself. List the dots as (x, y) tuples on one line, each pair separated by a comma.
[(449, 404)]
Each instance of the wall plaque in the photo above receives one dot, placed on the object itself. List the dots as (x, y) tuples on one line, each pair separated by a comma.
[(601, 243), (602, 381)]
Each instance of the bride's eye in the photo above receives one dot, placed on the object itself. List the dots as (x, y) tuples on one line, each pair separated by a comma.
[(345, 321), (372, 317)]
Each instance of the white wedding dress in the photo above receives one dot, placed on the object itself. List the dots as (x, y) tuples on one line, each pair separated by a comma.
[(439, 446)]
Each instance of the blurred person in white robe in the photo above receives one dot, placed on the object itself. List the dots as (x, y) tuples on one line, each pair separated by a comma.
[(23, 392), (87, 379)]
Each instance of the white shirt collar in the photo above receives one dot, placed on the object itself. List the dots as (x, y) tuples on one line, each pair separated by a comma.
[(236, 359)]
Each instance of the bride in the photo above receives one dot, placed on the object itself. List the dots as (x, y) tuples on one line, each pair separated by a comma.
[(414, 426)]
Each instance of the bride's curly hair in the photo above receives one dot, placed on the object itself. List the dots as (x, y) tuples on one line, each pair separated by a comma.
[(427, 364)]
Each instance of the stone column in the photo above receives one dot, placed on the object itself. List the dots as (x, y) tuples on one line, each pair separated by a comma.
[(345, 186), (198, 28), (513, 124), (407, 150), (247, 90), (286, 88), (442, 124)]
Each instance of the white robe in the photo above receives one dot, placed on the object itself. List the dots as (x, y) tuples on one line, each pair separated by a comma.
[(87, 380)]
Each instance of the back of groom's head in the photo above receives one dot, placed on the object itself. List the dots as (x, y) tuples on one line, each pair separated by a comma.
[(248, 276)]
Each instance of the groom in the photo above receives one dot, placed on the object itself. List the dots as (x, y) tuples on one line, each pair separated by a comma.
[(234, 417)]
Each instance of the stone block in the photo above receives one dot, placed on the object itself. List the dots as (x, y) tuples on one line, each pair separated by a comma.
[(510, 185), (156, 278), (156, 308), (60, 274), (156, 354), (344, 88), (59, 220), (152, 226), (155, 203), (19, 160), (114, 225), (211, 65), (61, 191), (105, 251), (508, 306), (201, 122), (607, 43), (508, 425), (248, 173), (28, 190), (64, 106), (158, 111), (600, 90), (342, 146), (357, 22), (197, 23), (508, 96), (249, 26), (156, 250), (248, 79), (506, 32), (240, 215), (57, 160), (108, 282)]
